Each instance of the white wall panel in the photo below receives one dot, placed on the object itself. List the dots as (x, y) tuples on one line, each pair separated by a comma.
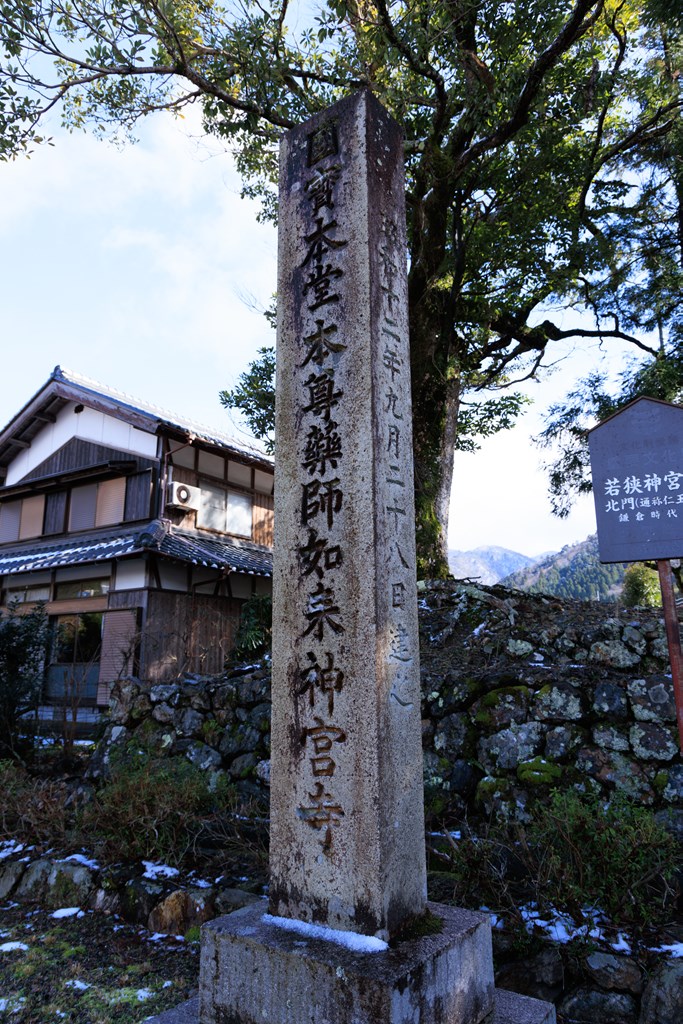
[(172, 576), (50, 439), (99, 570), (89, 425), (130, 575)]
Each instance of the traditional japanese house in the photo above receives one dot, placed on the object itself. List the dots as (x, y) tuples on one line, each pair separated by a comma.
[(142, 532)]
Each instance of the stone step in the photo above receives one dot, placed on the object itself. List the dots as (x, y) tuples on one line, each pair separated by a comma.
[(510, 1008)]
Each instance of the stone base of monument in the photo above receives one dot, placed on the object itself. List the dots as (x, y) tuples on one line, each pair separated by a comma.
[(508, 1008), (254, 972)]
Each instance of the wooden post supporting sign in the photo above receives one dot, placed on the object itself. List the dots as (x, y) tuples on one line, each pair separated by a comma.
[(673, 636)]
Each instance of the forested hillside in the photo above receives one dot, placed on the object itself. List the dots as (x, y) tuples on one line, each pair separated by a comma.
[(574, 573)]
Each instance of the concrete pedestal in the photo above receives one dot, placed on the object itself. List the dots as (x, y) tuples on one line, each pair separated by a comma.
[(258, 973)]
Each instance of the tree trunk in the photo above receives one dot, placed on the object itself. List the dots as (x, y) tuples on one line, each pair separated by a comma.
[(436, 400)]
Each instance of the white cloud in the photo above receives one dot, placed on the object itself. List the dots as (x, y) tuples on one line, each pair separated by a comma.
[(128, 265)]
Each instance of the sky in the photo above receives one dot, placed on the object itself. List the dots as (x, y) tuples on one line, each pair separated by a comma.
[(142, 268)]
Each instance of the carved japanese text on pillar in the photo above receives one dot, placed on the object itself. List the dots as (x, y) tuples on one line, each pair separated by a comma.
[(320, 677), (395, 439)]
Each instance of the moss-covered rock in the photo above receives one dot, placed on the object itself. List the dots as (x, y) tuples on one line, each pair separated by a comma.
[(502, 707), (539, 772)]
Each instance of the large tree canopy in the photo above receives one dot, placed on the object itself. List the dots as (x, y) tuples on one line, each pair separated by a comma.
[(543, 153)]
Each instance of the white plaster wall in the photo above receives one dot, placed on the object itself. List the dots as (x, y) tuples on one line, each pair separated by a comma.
[(89, 425), (240, 586), (130, 575), (172, 576)]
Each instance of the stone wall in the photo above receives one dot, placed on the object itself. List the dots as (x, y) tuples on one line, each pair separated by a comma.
[(523, 693), (520, 693), (221, 724)]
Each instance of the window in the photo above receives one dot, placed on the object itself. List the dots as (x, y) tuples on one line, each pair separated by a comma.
[(77, 638), (32, 510), (97, 504), (10, 517), (82, 510), (239, 514), (111, 497), (225, 511), (27, 595), (73, 672), (55, 512), (82, 588), (21, 520)]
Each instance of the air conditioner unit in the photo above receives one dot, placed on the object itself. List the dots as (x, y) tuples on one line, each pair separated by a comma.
[(184, 496)]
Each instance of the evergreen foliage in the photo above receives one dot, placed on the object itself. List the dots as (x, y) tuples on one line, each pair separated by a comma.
[(23, 647), (641, 587)]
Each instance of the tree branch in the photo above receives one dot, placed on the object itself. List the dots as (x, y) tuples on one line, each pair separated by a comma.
[(578, 24)]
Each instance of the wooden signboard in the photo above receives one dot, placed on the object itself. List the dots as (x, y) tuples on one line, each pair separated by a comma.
[(637, 468)]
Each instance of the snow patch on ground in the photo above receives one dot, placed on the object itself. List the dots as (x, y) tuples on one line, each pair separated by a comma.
[(200, 883), (10, 847), (563, 929), (11, 1005), (153, 870), (68, 912), (351, 940), (674, 950), (9, 947), (80, 858), (76, 983)]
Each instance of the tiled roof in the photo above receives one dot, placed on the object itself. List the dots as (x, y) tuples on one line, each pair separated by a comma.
[(65, 385), (218, 554), (157, 412), (180, 547)]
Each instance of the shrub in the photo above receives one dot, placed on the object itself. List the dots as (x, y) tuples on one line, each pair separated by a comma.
[(35, 810), (641, 587), (151, 807), (577, 854), (254, 632), (23, 647), (615, 856)]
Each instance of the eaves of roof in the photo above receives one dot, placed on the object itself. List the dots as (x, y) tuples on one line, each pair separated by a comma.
[(224, 555), (65, 385)]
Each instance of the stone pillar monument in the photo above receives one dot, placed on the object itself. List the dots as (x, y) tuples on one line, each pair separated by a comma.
[(339, 942), (346, 776)]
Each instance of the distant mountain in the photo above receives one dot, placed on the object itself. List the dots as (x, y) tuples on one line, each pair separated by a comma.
[(487, 564), (574, 572)]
